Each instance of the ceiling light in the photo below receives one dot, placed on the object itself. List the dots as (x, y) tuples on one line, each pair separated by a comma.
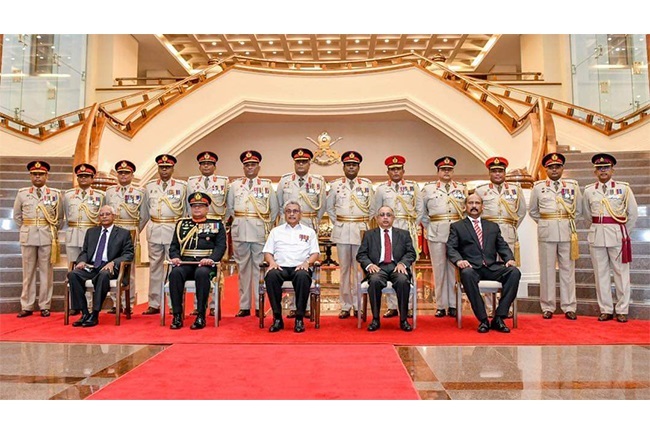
[(275, 52), (356, 51), (416, 40), (38, 36), (300, 42), (53, 47), (302, 52), (386, 40), (247, 52), (383, 51), (329, 52), (356, 41), (328, 42), (241, 42), (444, 40), (270, 42), (440, 51), (221, 53), (214, 43)]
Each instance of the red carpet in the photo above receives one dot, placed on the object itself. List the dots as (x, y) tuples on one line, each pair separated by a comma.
[(266, 372)]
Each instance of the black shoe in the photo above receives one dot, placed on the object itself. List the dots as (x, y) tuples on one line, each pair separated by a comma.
[(243, 313), (212, 312), (93, 320), (307, 315), (277, 325), (547, 315), (177, 322), (605, 317), (440, 313), (409, 314), (344, 314), (81, 321), (199, 323), (498, 325), (299, 326), (484, 327), (292, 314), (452, 312), (112, 310), (194, 313), (390, 313), (45, 313), (571, 315), (149, 311), (24, 313), (622, 318), (354, 313), (405, 326), (374, 325)]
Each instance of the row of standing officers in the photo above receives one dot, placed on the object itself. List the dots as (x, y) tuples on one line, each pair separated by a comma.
[(352, 201)]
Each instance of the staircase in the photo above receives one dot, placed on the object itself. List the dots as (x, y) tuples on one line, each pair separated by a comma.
[(631, 167), (13, 176)]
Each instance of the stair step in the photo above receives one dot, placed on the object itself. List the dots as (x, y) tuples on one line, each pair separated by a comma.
[(24, 176), (638, 311), (588, 292)]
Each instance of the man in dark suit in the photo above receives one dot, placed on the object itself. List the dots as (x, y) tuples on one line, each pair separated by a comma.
[(105, 247), (386, 254), (473, 246)]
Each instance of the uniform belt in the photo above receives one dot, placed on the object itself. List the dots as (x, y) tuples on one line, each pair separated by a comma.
[(126, 221), (164, 220), (81, 224), (452, 217), (250, 214), (196, 253), (214, 216), (309, 214), (554, 216), (501, 220), (36, 222), (605, 220), (352, 219)]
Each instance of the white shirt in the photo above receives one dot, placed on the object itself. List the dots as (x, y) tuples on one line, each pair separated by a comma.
[(108, 235), (291, 246)]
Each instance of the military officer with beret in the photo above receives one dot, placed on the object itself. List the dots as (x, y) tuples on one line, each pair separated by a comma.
[(309, 191), (165, 205), (252, 202), (215, 186), (444, 203), (130, 203), (405, 198), (348, 206), (38, 214), (555, 203), (611, 208), (195, 239)]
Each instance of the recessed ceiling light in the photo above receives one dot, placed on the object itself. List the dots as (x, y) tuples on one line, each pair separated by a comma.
[(247, 52), (383, 51), (356, 51), (38, 36), (302, 52), (300, 42), (275, 52), (356, 41), (214, 43), (329, 52), (270, 42), (241, 42), (440, 51), (416, 40), (444, 40), (386, 40), (221, 53), (328, 42)]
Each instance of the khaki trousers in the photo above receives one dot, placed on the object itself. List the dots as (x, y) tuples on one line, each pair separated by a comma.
[(549, 253), (248, 256), (347, 254), (33, 256), (157, 255), (444, 274), (603, 260)]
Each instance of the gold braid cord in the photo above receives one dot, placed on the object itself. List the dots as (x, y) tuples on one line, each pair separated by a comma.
[(575, 252), (262, 212), (315, 208), (365, 208), (185, 240), (621, 217), (178, 209), (92, 216), (515, 217), (52, 220), (214, 206), (409, 209), (459, 209), (134, 212)]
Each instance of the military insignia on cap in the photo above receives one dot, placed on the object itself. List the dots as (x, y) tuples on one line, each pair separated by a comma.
[(248, 154), (164, 158), (301, 153), (198, 196), (446, 161), (496, 160), (351, 155), (554, 157), (395, 159), (37, 165), (124, 165), (82, 168), (206, 156)]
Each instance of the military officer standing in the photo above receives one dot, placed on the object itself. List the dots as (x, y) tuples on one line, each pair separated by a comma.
[(444, 203), (216, 187), (81, 206), (130, 203), (348, 206), (309, 191), (405, 198), (196, 239), (37, 212), (166, 203), (611, 207), (555, 203), (252, 202)]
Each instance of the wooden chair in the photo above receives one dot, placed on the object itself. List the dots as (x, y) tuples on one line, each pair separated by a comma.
[(190, 287), (287, 287), (120, 285), (485, 287)]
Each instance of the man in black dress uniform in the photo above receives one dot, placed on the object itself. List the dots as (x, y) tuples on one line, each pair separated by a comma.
[(196, 239)]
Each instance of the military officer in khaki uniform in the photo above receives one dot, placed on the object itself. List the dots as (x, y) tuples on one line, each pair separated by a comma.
[(81, 206), (166, 204), (38, 214), (130, 203), (555, 203), (252, 202), (444, 203), (348, 206), (216, 187), (404, 197), (309, 190), (611, 207)]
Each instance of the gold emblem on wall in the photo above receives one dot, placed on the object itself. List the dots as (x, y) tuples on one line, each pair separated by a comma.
[(324, 154)]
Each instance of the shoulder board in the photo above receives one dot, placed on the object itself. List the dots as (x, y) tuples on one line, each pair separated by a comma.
[(363, 179), (340, 179), (24, 189), (152, 181), (56, 190), (460, 183), (286, 175), (410, 182), (265, 180), (623, 183), (72, 190), (182, 182), (540, 181), (112, 187), (185, 219), (316, 176), (193, 177), (591, 185), (483, 185), (430, 182), (99, 191), (222, 177)]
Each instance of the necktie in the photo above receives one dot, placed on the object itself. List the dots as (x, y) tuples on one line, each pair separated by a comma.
[(556, 184), (83, 194), (206, 182), (397, 187), (123, 189), (301, 182), (39, 193), (351, 184), (100, 249), (388, 250), (604, 188), (250, 183), (479, 232), (447, 187), (499, 188), (164, 185)]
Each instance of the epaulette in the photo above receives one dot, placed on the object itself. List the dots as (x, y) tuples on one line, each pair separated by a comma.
[(431, 182), (622, 183), (591, 185), (70, 190), (221, 177), (152, 181), (539, 181), (482, 185), (365, 179), (316, 175), (265, 180), (24, 189), (193, 177), (182, 182), (287, 174), (99, 191)]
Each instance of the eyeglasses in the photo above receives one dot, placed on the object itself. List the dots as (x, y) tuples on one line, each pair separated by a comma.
[(292, 211), (385, 214), (604, 168)]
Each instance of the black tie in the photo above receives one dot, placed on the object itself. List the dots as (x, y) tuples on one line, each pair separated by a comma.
[(301, 182), (100, 249)]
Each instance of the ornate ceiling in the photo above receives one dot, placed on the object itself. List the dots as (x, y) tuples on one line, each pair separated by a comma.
[(462, 52)]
